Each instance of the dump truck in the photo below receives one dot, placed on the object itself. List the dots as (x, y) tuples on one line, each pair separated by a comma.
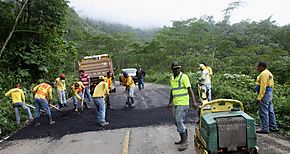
[(95, 66)]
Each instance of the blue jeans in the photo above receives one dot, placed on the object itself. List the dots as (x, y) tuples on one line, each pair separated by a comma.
[(88, 95), (179, 112), (141, 83), (101, 110), (61, 96), (75, 99), (267, 113), (208, 90), (39, 102), (25, 107)]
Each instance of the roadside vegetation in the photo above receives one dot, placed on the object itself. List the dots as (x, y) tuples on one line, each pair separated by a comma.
[(51, 37)]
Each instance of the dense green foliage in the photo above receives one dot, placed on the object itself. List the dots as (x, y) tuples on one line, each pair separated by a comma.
[(50, 38)]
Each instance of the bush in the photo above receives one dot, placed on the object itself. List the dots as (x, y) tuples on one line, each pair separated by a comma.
[(240, 87)]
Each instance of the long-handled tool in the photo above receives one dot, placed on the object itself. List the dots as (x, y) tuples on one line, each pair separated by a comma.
[(55, 107), (83, 98), (34, 108)]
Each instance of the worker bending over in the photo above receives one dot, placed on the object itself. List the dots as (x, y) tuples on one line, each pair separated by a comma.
[(18, 101), (43, 95)]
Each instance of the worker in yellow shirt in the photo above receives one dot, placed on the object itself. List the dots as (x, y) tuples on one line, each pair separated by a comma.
[(210, 73), (128, 82), (205, 80), (18, 100), (43, 95), (100, 92), (265, 84), (61, 89), (77, 93), (108, 79)]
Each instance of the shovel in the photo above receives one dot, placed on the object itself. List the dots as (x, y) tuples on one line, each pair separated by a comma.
[(34, 108), (82, 102), (55, 108)]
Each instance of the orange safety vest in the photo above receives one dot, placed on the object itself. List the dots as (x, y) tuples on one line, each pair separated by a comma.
[(109, 80), (42, 89), (79, 89)]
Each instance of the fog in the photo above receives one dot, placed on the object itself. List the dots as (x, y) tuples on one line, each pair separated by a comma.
[(157, 13)]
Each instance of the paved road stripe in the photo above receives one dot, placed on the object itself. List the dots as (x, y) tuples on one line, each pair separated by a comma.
[(126, 142)]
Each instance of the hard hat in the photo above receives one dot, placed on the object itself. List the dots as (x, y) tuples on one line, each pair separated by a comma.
[(62, 76), (101, 77), (175, 65)]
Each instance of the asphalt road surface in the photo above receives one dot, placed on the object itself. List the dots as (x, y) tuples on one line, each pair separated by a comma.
[(146, 129)]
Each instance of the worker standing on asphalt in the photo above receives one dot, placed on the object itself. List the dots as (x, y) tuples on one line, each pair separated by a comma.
[(43, 95), (76, 90), (100, 92), (180, 95), (18, 101), (128, 82), (108, 79), (265, 84), (140, 76), (85, 79), (61, 89), (205, 80)]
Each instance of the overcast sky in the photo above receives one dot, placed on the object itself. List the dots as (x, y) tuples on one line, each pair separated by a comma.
[(156, 13)]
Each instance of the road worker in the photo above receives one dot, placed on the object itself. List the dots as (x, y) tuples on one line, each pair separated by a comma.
[(265, 84), (108, 79), (43, 95), (85, 79), (61, 89), (18, 101), (101, 91), (205, 80), (128, 82), (140, 73), (180, 96), (77, 93), (209, 70)]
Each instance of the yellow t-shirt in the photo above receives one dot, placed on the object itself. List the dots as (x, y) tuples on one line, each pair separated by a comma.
[(60, 84), (75, 91), (128, 82), (16, 95), (265, 79), (101, 90)]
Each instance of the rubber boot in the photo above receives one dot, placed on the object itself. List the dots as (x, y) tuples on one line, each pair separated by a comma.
[(184, 141), (50, 121), (60, 105), (127, 102), (75, 108), (180, 141), (132, 102), (36, 122), (85, 104)]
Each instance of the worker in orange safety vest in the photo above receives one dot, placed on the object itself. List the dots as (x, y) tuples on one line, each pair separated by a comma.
[(43, 95)]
